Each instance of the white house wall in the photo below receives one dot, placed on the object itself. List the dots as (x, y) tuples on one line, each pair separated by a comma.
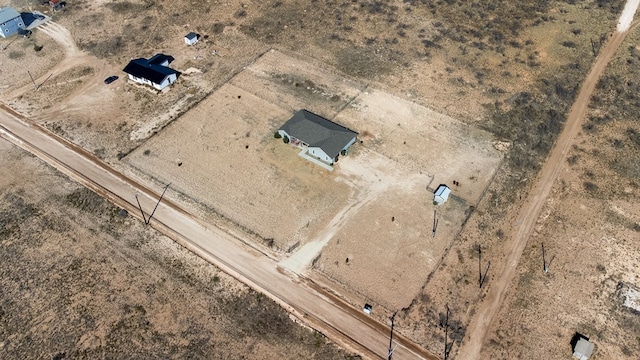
[(166, 82), (140, 80), (317, 152)]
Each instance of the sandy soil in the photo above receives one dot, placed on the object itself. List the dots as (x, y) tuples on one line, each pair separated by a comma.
[(464, 80), (630, 8), (232, 163), (81, 279), (531, 210), (246, 168), (385, 251)]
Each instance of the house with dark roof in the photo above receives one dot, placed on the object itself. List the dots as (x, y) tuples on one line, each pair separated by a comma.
[(321, 138), (154, 71), (10, 22)]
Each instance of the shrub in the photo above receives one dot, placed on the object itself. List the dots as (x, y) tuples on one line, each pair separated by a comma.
[(277, 135), (16, 54), (285, 139), (218, 28)]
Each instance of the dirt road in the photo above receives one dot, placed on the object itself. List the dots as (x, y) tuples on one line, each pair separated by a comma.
[(73, 57), (307, 301), (530, 210)]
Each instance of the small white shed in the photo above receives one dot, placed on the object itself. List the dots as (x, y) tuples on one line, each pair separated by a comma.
[(191, 38), (583, 349), (441, 195)]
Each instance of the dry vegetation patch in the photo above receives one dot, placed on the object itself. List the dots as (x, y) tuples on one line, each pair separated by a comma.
[(510, 68), (82, 279)]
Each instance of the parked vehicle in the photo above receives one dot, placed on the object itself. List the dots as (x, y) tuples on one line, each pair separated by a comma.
[(110, 79)]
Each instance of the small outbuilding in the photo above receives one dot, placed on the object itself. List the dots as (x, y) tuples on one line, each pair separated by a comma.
[(441, 195), (154, 71), (191, 38), (10, 22), (321, 139), (367, 309), (582, 348)]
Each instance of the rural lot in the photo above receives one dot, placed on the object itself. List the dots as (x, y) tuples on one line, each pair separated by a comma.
[(470, 95)]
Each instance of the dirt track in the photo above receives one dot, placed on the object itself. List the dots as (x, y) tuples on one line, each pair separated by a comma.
[(322, 311), (530, 210), (318, 308)]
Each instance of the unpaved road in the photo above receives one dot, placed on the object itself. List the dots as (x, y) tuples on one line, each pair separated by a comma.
[(342, 323), (530, 210), (311, 303), (73, 56)]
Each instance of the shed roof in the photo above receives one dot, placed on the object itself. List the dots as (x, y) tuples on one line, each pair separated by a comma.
[(443, 191), (583, 349), (191, 36), (143, 69), (7, 14), (319, 132)]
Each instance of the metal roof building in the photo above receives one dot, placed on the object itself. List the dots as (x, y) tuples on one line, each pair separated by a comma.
[(441, 195), (10, 22)]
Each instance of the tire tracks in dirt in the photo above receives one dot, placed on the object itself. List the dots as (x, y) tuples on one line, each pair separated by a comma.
[(478, 329), (316, 306)]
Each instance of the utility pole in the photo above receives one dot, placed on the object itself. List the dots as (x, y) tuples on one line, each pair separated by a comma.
[(481, 277), (148, 220), (5, 48), (545, 264), (544, 261), (435, 223), (45, 80), (484, 277), (35, 87), (144, 218), (390, 354), (480, 265), (446, 334), (158, 203)]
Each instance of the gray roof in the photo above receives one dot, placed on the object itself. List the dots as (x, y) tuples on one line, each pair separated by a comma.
[(583, 349), (191, 36), (443, 190), (319, 132), (7, 14)]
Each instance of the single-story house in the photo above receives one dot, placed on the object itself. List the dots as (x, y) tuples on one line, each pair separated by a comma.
[(10, 22), (441, 195), (582, 348), (323, 139), (191, 38), (154, 71)]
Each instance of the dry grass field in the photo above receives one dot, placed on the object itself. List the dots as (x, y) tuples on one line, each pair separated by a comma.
[(222, 154), (431, 87), (81, 279), (590, 228)]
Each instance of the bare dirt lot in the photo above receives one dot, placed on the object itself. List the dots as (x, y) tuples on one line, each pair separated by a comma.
[(223, 153), (80, 278)]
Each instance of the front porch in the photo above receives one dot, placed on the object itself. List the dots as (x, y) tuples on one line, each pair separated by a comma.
[(304, 155)]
